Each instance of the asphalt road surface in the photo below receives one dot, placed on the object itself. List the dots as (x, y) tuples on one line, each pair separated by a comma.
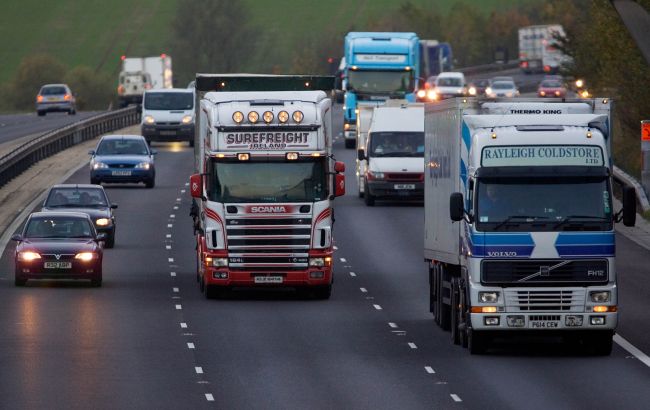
[(14, 126), (149, 339)]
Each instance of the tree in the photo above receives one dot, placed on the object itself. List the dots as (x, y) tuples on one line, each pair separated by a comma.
[(94, 91), (211, 37), (33, 72)]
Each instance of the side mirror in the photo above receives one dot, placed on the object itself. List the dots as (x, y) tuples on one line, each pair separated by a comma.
[(629, 206), (456, 206), (113, 206), (339, 189), (196, 186), (17, 237), (339, 166), (91, 152), (154, 152), (361, 155), (101, 237)]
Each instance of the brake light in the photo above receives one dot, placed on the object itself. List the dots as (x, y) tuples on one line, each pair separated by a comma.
[(147, 86), (67, 97), (39, 98), (120, 89), (547, 68), (524, 64)]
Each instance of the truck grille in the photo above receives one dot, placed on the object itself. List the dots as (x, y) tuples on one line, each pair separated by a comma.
[(540, 272), (545, 300), (269, 244)]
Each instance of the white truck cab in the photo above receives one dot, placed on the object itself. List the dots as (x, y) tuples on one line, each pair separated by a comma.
[(394, 153)]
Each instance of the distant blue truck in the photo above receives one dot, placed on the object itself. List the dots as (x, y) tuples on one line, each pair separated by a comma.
[(379, 66)]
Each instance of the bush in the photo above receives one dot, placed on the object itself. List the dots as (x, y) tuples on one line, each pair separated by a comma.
[(94, 91), (32, 73)]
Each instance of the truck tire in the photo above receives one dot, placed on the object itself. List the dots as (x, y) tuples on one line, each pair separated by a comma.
[(599, 343), (350, 143), (368, 198), (210, 291), (322, 292), (455, 311), (477, 342), (41, 113)]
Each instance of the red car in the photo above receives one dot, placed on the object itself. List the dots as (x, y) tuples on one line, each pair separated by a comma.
[(551, 88), (59, 245)]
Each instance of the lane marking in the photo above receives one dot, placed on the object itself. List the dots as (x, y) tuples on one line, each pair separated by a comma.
[(643, 358), (429, 369), (190, 345), (364, 290), (170, 225), (175, 290), (168, 247), (343, 260), (183, 325), (176, 297), (377, 307), (179, 307), (209, 397), (175, 208), (172, 273), (336, 248), (168, 235), (182, 191), (178, 200), (198, 370), (187, 184), (172, 216), (455, 397), (353, 274), (393, 325), (170, 260), (412, 345)]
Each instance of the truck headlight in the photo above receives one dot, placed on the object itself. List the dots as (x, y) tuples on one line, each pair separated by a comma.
[(320, 262), (148, 119), (600, 296), (488, 297), (217, 262), (143, 165), (187, 119), (102, 221)]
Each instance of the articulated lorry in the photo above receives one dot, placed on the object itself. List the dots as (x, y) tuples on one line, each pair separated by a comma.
[(265, 182), (143, 73), (538, 51), (378, 67), (519, 220)]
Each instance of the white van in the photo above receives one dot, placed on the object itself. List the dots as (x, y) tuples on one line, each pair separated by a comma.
[(168, 115), (394, 151), (450, 84)]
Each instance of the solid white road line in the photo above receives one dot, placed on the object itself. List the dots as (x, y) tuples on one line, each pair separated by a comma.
[(209, 397), (353, 274), (393, 325), (377, 307), (412, 345), (183, 325), (175, 290), (364, 290), (179, 307), (455, 397), (643, 358), (190, 345), (429, 369), (198, 370)]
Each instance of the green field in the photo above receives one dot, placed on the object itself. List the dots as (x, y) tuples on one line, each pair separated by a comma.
[(96, 33)]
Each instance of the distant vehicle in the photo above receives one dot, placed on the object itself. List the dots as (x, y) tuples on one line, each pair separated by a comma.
[(450, 84), (435, 58), (168, 115), (551, 88), (502, 78), (55, 98), (143, 73), (121, 159), (89, 199), (502, 88), (339, 82), (58, 245), (538, 50), (478, 87)]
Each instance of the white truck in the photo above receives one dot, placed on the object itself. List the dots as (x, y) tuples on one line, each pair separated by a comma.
[(519, 220), (392, 154), (143, 73), (265, 182), (538, 50)]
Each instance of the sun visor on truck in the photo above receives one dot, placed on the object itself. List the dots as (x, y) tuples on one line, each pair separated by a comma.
[(263, 82)]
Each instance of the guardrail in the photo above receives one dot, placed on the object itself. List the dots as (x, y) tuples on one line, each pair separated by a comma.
[(17, 161), (488, 68)]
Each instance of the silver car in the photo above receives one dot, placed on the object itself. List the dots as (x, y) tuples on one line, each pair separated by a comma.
[(502, 89), (55, 98)]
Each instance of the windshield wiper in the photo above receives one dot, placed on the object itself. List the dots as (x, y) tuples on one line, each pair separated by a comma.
[(570, 217), (511, 217)]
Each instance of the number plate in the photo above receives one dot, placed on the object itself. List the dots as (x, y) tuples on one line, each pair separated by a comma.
[(269, 279), (404, 186), (58, 265), (167, 132), (52, 98), (544, 324), (121, 173)]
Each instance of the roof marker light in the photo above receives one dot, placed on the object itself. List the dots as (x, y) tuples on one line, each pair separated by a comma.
[(238, 117), (283, 117), (253, 117), (298, 116)]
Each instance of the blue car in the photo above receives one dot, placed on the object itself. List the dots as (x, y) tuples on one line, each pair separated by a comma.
[(122, 158)]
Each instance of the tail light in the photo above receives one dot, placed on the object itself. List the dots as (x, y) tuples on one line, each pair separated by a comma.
[(147, 86), (67, 97), (120, 89), (39, 98), (524, 64), (547, 68)]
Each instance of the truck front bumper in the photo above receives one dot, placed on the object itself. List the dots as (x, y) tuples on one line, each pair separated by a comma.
[(544, 321), (237, 278)]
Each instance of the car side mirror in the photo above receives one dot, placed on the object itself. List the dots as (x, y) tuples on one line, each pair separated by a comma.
[(361, 155), (154, 152), (100, 237), (17, 237), (91, 152), (339, 189), (629, 206), (456, 206), (113, 206)]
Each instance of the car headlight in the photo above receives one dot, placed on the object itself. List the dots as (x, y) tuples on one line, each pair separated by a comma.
[(148, 119), (99, 165), (320, 262), (86, 256), (375, 175), (28, 256), (472, 90), (187, 119), (143, 165), (102, 221), (432, 95), (600, 296), (488, 297), (488, 91)]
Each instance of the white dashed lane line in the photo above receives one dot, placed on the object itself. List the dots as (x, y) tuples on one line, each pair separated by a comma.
[(168, 247), (412, 345), (343, 260), (178, 200), (183, 325), (172, 216), (353, 274), (170, 260), (182, 191), (429, 369), (209, 397), (179, 307), (175, 208), (190, 345), (175, 290), (170, 225), (168, 235), (172, 273), (336, 248), (393, 325), (198, 370), (455, 397), (377, 307), (363, 290), (187, 184)]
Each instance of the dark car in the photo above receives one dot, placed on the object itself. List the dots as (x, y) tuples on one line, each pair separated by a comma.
[(89, 199), (477, 87), (58, 245), (551, 88), (55, 97), (122, 158)]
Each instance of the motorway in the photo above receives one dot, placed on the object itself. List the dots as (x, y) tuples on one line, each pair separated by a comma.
[(13, 126), (149, 339)]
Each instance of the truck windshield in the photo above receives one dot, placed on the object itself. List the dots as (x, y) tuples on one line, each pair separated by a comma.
[(268, 182), (396, 144), (543, 204), (381, 82), (168, 101)]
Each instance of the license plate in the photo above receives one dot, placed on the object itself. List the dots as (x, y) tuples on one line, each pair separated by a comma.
[(544, 324), (404, 186), (269, 279), (58, 265), (121, 173), (167, 132), (53, 98)]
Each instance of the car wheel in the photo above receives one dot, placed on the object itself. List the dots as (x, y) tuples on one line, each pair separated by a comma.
[(19, 281), (96, 282), (110, 241), (41, 113), (368, 198), (150, 183)]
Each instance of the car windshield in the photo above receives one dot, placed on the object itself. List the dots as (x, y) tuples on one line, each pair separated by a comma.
[(122, 147), (58, 227), (268, 182), (544, 204), (168, 101), (449, 82), (552, 84), (53, 91), (396, 144), (381, 82), (76, 198), (503, 85)]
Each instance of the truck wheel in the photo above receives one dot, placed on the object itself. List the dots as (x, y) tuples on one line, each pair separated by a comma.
[(476, 342), (322, 292), (444, 308), (191, 142), (455, 311), (350, 143), (368, 198), (600, 343)]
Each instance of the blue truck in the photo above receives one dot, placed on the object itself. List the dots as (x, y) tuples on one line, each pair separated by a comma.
[(435, 57), (379, 66)]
